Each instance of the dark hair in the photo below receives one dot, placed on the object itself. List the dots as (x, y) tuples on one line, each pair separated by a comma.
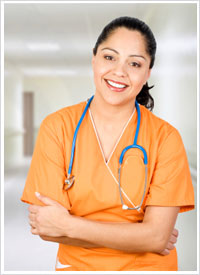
[(134, 24)]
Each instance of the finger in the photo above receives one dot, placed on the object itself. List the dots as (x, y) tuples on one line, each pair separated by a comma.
[(175, 232), (34, 208), (165, 252), (170, 246), (173, 239), (34, 231), (46, 238), (32, 216), (45, 200), (32, 224)]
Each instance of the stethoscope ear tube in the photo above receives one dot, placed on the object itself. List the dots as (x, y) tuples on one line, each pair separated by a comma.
[(124, 206), (134, 145), (75, 135), (70, 179)]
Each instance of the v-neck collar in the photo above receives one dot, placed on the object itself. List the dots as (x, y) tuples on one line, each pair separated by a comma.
[(110, 166), (118, 140)]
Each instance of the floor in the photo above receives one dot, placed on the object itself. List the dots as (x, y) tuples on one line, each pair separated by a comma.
[(22, 250), (26, 252)]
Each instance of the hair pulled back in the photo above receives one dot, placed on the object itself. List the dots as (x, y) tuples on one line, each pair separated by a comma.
[(131, 23)]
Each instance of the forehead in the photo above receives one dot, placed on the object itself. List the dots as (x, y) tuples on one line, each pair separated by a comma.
[(126, 39)]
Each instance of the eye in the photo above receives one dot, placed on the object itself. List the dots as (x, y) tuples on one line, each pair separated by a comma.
[(135, 64), (108, 57)]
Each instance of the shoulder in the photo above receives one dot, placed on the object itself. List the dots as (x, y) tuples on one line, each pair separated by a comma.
[(64, 117), (158, 128), (61, 124)]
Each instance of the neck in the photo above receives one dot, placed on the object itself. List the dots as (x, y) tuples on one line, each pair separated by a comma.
[(108, 113)]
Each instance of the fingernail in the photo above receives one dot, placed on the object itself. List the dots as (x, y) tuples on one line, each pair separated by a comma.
[(37, 194)]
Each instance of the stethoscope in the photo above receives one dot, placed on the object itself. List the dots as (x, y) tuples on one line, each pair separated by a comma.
[(70, 179)]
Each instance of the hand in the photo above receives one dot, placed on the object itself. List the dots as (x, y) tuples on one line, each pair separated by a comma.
[(171, 242), (50, 220)]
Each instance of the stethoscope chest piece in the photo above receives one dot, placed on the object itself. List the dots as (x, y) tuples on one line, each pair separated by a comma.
[(68, 183)]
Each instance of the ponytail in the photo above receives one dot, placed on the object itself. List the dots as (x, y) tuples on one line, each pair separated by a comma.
[(144, 97)]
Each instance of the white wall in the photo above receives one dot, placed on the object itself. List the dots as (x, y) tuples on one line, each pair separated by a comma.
[(52, 93), (175, 79), (13, 151)]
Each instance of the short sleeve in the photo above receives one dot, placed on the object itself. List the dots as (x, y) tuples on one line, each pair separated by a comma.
[(171, 183), (47, 170)]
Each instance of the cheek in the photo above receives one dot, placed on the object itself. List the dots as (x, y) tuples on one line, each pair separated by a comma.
[(136, 80), (97, 76), (139, 79), (99, 71)]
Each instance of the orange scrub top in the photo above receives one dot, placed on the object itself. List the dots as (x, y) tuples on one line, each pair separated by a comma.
[(95, 193)]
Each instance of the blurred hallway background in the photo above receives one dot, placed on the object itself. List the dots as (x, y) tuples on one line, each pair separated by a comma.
[(48, 51)]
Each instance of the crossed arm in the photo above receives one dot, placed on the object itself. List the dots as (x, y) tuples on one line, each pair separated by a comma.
[(156, 233)]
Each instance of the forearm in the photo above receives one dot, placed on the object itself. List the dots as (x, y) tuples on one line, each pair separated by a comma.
[(152, 235), (68, 241), (128, 237), (112, 233)]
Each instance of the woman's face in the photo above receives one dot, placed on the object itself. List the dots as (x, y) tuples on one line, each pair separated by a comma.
[(121, 66)]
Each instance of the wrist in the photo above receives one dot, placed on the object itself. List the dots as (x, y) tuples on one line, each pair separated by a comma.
[(72, 227)]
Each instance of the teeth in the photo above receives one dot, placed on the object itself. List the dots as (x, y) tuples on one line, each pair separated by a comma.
[(116, 84)]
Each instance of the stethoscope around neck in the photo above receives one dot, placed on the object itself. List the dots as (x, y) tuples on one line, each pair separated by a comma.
[(70, 179)]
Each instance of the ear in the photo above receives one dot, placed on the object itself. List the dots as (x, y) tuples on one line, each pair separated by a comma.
[(148, 74), (93, 60)]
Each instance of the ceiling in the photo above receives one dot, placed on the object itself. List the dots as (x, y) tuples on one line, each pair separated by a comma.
[(74, 28)]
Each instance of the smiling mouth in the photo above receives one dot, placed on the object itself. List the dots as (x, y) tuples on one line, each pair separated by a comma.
[(116, 86)]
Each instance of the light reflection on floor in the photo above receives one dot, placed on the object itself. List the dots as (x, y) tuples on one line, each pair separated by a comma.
[(26, 252)]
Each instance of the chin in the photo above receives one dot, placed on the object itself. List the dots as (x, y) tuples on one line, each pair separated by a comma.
[(117, 100)]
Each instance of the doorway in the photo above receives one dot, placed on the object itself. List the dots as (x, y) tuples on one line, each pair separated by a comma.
[(28, 123)]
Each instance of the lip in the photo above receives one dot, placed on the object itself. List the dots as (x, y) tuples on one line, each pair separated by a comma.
[(115, 89)]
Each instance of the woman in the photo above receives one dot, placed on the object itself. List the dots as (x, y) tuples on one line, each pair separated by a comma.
[(103, 217)]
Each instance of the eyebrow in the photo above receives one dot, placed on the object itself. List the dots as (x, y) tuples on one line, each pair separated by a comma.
[(132, 55)]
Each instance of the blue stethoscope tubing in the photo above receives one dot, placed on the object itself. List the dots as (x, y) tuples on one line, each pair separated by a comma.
[(70, 180)]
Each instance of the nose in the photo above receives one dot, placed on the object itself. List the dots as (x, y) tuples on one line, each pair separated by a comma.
[(120, 69)]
